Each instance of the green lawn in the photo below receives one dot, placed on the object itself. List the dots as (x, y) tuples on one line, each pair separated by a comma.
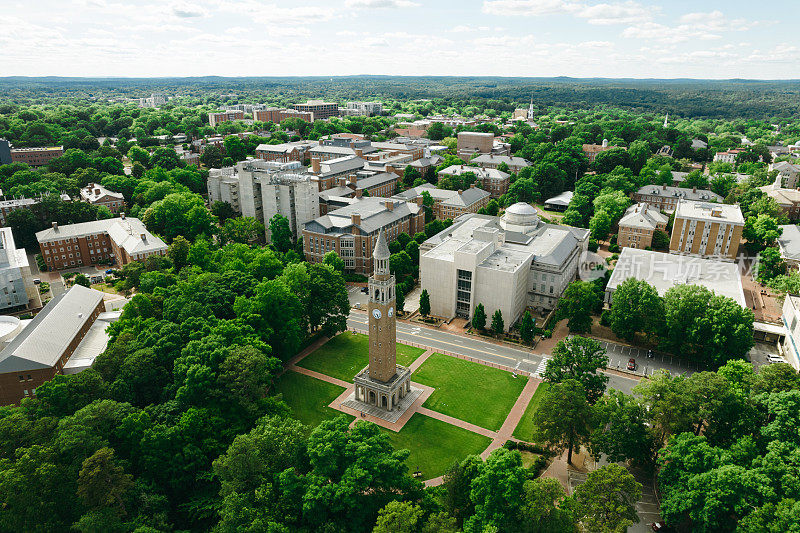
[(308, 397), (435, 445), (469, 391), (346, 354), (524, 430)]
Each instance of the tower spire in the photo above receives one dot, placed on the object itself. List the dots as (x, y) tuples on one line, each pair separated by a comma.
[(666, 120), (381, 247)]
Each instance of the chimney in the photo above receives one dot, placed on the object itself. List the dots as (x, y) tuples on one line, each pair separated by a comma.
[(389, 205), (460, 192), (97, 192), (694, 189), (122, 215), (144, 237), (315, 166), (359, 193), (418, 200), (359, 152), (55, 226), (472, 186), (355, 219), (664, 187)]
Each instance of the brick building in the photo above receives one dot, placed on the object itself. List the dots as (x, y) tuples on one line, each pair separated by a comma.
[(278, 115), (96, 194), (44, 346), (637, 225), (788, 200), (215, 119), (36, 157), (591, 150), (666, 198), (351, 231), (494, 181), (319, 110), (446, 203), (119, 240), (515, 164)]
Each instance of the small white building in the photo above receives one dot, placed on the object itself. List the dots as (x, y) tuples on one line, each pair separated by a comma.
[(508, 263), (791, 321)]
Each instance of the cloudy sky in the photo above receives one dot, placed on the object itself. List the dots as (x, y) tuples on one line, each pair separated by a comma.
[(582, 38)]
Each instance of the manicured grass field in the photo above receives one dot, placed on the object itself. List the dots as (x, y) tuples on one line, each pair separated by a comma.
[(435, 445), (469, 391), (308, 397), (524, 430), (346, 354)]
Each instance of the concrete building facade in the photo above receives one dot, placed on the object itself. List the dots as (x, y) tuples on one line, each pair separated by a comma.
[(319, 109), (474, 142), (707, 230), (509, 263), (17, 289)]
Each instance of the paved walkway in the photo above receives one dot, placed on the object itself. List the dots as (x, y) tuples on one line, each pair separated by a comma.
[(514, 416)]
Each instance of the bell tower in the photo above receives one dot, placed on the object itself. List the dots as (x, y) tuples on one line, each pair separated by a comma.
[(382, 320)]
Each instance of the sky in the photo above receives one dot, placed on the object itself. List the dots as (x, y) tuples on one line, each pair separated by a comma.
[(538, 38)]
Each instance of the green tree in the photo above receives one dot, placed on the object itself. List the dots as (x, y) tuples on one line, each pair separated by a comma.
[(770, 264), (606, 501), (410, 175), (527, 328), (223, 211), (636, 308), (180, 214), (579, 358), (244, 230), (332, 258), (600, 224), (399, 517), (620, 430), (235, 148), (211, 157), (178, 252), (580, 300), (280, 233), (424, 303), (497, 492), (166, 158), (479, 317), (498, 325), (546, 508), (563, 418), (82, 280), (761, 231), (102, 483)]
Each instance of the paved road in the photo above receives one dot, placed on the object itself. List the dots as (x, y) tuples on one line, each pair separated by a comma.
[(618, 356), (478, 349)]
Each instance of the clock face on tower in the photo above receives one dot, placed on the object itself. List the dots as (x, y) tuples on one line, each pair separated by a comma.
[(391, 312), (376, 313)]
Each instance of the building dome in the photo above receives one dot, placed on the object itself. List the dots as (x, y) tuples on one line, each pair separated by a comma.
[(521, 214)]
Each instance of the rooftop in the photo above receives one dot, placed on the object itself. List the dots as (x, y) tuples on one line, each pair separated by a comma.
[(126, 232), (642, 216), (372, 210), (789, 242), (562, 199), (46, 338), (731, 214), (680, 192), (664, 271)]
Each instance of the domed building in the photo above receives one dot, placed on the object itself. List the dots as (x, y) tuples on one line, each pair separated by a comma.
[(520, 217), (511, 263)]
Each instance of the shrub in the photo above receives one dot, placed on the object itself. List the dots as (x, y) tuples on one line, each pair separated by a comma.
[(605, 318), (613, 248), (593, 245)]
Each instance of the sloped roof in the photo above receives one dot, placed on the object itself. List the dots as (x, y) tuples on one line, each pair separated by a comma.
[(45, 339)]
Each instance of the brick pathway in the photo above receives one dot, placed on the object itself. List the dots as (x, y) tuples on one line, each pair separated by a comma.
[(419, 360), (308, 350), (453, 421), (513, 418)]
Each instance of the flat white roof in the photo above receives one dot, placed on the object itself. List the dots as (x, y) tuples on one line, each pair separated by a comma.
[(723, 213), (664, 271)]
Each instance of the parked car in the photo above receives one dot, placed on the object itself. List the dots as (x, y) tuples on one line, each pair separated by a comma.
[(36, 281), (772, 358), (365, 289), (110, 271), (631, 364)]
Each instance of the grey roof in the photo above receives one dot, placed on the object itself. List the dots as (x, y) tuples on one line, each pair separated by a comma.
[(373, 211), (376, 180), (562, 199), (446, 196), (639, 216), (664, 271), (381, 248), (45, 339), (126, 233), (497, 159), (679, 192), (340, 164), (789, 242), (427, 161), (483, 173), (786, 167), (336, 192)]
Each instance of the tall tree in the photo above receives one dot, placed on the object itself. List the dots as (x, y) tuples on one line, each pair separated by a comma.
[(606, 501), (280, 233), (562, 420), (102, 483), (527, 328), (636, 308), (479, 317), (580, 300), (424, 303), (579, 358), (498, 325)]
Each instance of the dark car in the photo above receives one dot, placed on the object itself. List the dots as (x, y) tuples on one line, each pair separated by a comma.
[(364, 289), (110, 271), (631, 364)]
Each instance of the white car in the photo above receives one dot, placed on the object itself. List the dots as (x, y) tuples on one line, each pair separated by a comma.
[(772, 358)]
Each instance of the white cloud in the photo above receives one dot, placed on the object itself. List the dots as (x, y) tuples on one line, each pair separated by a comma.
[(186, 10), (529, 8), (375, 4), (618, 13)]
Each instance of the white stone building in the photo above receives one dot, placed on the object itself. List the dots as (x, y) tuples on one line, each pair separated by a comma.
[(791, 320), (262, 189), (17, 289), (509, 263)]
